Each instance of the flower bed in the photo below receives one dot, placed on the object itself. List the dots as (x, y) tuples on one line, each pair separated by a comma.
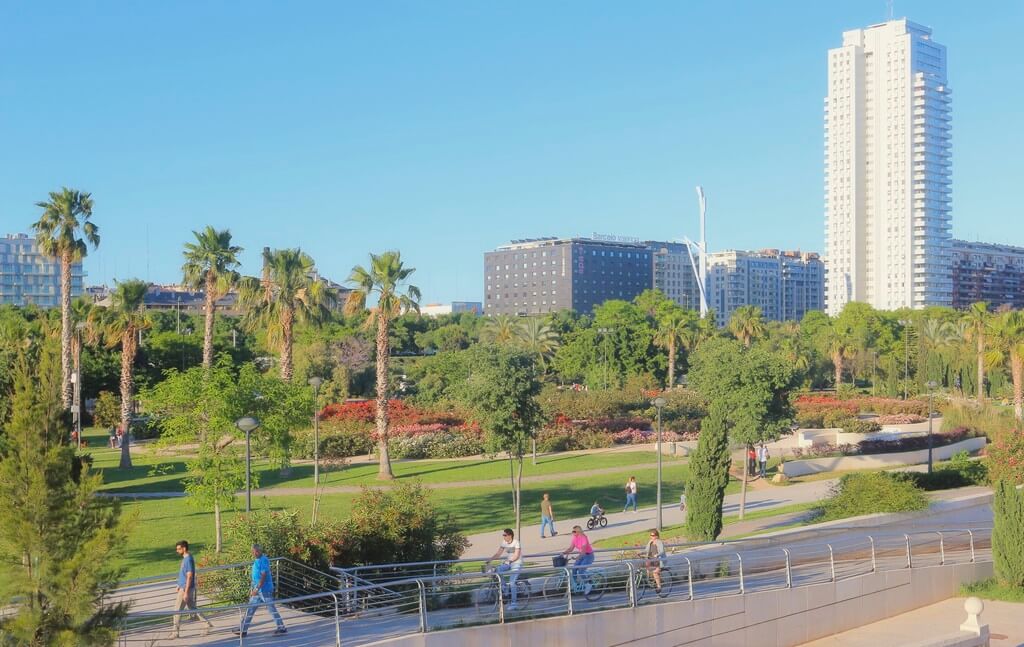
[(909, 443), (900, 419)]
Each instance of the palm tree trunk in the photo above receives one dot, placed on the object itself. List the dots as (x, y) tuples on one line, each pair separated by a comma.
[(208, 330), (837, 361), (65, 329), (981, 368), (382, 398), (217, 527), (287, 323), (671, 366), (1017, 372), (129, 345)]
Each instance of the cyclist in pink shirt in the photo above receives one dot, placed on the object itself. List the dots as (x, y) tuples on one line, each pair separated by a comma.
[(581, 545)]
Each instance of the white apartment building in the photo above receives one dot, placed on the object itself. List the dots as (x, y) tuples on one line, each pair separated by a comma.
[(887, 169)]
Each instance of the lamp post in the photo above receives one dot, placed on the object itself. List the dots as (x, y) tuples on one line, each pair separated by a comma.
[(77, 377), (659, 404), (931, 399), (315, 382), (248, 425)]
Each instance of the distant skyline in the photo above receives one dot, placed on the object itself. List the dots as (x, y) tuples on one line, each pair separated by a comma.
[(449, 128)]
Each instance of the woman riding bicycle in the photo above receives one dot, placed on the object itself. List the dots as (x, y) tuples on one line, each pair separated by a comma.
[(581, 545), (655, 554)]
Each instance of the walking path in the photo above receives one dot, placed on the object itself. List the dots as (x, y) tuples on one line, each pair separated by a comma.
[(1005, 621)]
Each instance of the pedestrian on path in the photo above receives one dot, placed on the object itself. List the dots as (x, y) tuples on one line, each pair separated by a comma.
[(547, 515), (186, 594), (631, 490), (262, 592), (751, 460), (762, 459)]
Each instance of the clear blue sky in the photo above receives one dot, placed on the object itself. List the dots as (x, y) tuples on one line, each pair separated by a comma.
[(444, 129)]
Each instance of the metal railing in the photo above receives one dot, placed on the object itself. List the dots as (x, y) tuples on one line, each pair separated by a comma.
[(458, 593)]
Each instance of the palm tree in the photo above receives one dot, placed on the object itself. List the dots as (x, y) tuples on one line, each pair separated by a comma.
[(538, 339), (384, 278), (500, 329), (936, 336), (839, 346), (675, 328), (746, 324), (288, 293), (1006, 333), (977, 319), (65, 214), (210, 264), (121, 325)]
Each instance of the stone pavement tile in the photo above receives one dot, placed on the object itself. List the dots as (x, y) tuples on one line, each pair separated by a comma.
[(1005, 621)]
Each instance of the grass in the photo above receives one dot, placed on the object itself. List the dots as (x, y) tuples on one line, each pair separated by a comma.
[(677, 533), (991, 589)]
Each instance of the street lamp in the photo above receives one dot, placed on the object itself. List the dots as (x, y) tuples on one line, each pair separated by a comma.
[(247, 425), (931, 399), (77, 377), (315, 382), (659, 404)]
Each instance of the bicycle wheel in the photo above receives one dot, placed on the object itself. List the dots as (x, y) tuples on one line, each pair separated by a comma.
[(554, 586), (604, 521), (487, 599), (590, 524), (597, 583), (523, 593), (666, 583)]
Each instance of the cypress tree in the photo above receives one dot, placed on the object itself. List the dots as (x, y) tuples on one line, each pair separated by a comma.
[(709, 476), (56, 536), (1008, 534)]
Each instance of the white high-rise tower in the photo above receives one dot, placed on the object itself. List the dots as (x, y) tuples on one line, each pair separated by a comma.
[(887, 169)]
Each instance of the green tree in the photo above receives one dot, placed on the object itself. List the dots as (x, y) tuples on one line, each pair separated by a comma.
[(1008, 534), (210, 266), (675, 327), (539, 339), (385, 278), (66, 215), (977, 319), (108, 410), (746, 324), (121, 325), (1006, 335), (500, 329), (213, 479), (501, 391), (751, 386), (289, 292), (708, 478), (57, 537)]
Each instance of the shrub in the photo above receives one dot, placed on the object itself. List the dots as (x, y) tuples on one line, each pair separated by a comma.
[(1008, 534), (1006, 458), (960, 471), (886, 406), (834, 418), (810, 419), (338, 439), (981, 419), (452, 444), (856, 426), (870, 493), (900, 419), (107, 412)]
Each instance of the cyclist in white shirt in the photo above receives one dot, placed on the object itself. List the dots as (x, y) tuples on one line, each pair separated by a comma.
[(513, 553)]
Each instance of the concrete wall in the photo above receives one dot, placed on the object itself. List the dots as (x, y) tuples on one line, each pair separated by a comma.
[(871, 461), (779, 618)]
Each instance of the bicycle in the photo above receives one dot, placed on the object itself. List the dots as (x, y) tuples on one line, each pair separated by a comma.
[(591, 582), (643, 579), (598, 521), (487, 597)]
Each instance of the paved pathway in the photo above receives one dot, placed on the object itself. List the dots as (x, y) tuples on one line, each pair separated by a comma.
[(1005, 621)]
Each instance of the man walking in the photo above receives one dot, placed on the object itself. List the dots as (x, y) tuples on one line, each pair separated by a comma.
[(186, 599), (762, 459), (547, 516), (262, 592)]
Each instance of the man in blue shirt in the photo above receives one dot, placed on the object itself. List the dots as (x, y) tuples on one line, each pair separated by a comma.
[(186, 599), (262, 592)]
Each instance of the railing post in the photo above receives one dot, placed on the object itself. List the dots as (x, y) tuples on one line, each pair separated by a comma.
[(831, 561), (501, 600), (942, 549), (631, 584), (689, 575), (910, 559), (423, 605), (969, 532), (337, 622), (874, 565), (241, 638), (742, 587), (789, 570), (568, 589)]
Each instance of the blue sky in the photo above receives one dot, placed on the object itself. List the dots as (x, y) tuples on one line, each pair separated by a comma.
[(444, 128)]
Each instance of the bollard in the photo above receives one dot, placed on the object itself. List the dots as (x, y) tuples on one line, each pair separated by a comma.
[(973, 607)]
